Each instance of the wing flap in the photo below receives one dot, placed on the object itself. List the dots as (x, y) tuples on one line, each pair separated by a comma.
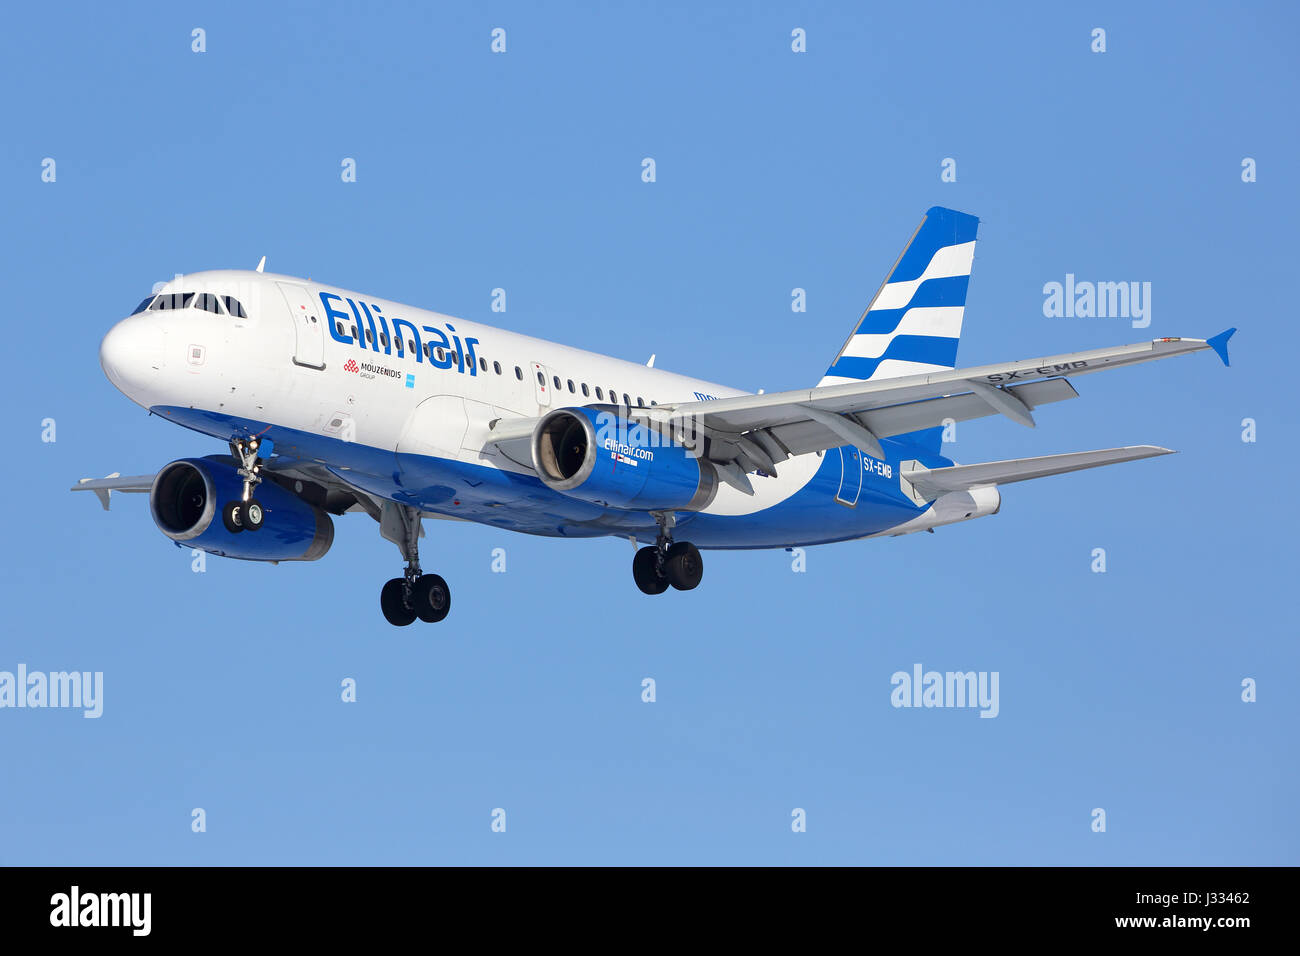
[(809, 436)]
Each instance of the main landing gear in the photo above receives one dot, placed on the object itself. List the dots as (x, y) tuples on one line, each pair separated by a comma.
[(246, 514), (416, 594), (666, 562)]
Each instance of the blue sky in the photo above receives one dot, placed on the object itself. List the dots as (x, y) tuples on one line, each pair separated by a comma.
[(775, 170)]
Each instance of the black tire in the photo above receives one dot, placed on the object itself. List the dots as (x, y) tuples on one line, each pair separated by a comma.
[(683, 566), (392, 601), (646, 572), (431, 598), (232, 517), (252, 514)]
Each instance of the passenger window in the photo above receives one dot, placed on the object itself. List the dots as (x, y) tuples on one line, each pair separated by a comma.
[(519, 373), (354, 331), (627, 402), (496, 367), (556, 379), (585, 393), (339, 326), (640, 402), (383, 339), (237, 310), (541, 379), (442, 356), (370, 337), (599, 394), (410, 346), (143, 305), (455, 358), (572, 390), (482, 364)]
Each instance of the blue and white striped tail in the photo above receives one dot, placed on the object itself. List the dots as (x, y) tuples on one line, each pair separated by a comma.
[(914, 322)]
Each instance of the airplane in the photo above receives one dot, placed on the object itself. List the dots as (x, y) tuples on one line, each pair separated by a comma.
[(333, 401)]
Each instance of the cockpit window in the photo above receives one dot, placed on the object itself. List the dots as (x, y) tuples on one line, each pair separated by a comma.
[(233, 307), (143, 305), (208, 303), (172, 300)]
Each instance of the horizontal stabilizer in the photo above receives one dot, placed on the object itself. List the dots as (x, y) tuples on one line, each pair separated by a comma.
[(930, 483)]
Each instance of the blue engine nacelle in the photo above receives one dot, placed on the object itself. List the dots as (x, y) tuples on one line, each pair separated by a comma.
[(186, 501), (593, 454)]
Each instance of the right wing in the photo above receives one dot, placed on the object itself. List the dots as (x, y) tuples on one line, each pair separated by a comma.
[(104, 487)]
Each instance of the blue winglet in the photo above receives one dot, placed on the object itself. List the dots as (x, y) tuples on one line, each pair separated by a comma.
[(1220, 344)]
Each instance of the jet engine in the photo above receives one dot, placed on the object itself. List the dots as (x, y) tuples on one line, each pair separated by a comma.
[(594, 454), (186, 501)]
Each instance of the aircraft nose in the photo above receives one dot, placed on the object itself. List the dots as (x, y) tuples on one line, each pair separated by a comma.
[(132, 354)]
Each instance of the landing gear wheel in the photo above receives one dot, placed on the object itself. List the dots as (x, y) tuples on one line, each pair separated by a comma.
[(431, 598), (252, 515), (415, 594), (392, 601), (683, 566), (232, 516), (645, 571)]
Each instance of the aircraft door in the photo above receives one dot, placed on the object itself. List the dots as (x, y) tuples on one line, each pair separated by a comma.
[(850, 476), (308, 327)]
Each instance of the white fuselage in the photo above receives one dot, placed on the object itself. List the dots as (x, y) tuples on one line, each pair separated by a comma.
[(325, 360)]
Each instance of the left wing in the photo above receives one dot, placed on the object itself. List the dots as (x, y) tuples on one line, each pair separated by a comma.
[(756, 432)]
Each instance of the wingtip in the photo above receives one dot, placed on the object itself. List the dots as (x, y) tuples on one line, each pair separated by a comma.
[(1220, 344)]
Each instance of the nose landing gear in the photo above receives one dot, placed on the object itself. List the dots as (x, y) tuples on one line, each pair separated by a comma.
[(247, 513), (667, 563)]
